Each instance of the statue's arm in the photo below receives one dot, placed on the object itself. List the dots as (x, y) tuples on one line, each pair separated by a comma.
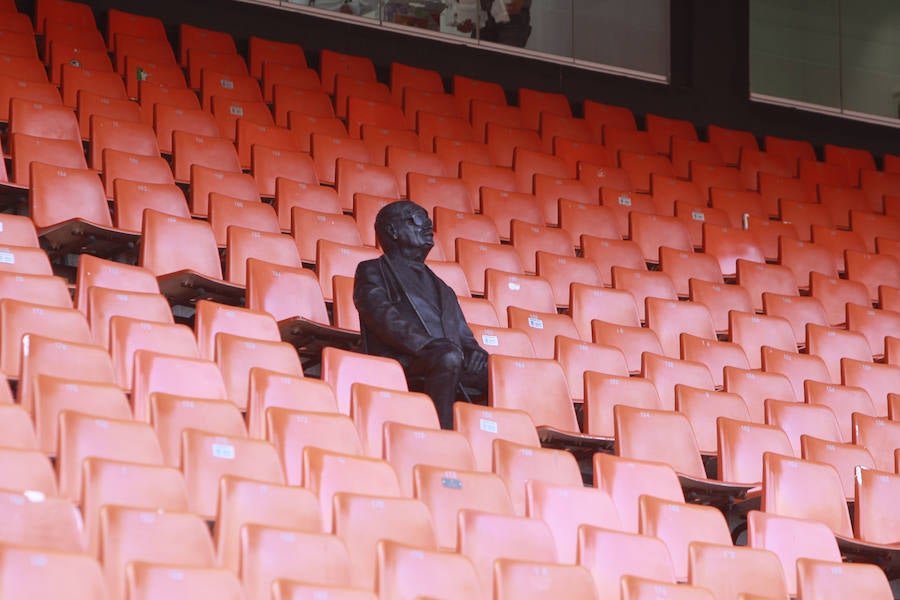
[(380, 314), (470, 345)]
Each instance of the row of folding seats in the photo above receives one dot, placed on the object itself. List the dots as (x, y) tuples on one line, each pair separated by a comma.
[(623, 505), (683, 330), (687, 386), (599, 242)]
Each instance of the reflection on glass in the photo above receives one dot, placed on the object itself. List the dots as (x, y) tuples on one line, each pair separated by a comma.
[(508, 22), (794, 50), (631, 34), (551, 27), (870, 57), (425, 14), (500, 21), (462, 17), (363, 8)]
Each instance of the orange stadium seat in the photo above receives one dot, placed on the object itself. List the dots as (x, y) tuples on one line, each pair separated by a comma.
[(588, 303)]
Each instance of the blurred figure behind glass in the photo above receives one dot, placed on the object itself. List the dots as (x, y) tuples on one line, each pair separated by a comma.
[(354, 7), (508, 22)]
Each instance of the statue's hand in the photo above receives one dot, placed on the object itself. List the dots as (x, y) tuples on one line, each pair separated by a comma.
[(477, 362)]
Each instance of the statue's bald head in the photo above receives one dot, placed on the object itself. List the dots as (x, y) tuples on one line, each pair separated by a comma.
[(404, 226)]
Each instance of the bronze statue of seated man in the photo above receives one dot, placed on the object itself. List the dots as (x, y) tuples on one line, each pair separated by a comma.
[(407, 313)]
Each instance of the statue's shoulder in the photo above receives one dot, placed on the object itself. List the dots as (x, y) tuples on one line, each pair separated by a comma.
[(371, 265)]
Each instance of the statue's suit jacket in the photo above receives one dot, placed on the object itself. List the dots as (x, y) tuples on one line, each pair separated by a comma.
[(389, 322)]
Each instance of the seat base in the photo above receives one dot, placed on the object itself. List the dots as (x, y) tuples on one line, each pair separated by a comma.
[(77, 236), (13, 198), (310, 337), (885, 556), (185, 288), (581, 445), (720, 494)]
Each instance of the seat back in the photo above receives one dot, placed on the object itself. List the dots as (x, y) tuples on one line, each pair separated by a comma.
[(268, 389), (203, 467), (666, 374), (741, 448), (603, 392), (284, 292), (82, 436), (52, 395), (59, 194), (752, 332), (485, 537), (292, 431), (237, 356), (342, 368), (703, 408), (504, 289), (171, 415), (362, 521), (755, 387), (626, 480), (843, 402), (185, 376), (512, 578), (517, 464), (408, 446), (798, 419), (565, 508), (371, 407), (804, 489), (106, 303), (44, 355), (173, 244), (213, 318), (243, 501), (678, 525), (446, 492), (829, 581), (328, 473), (339, 259), (482, 425), (132, 534), (127, 336), (729, 571), (269, 554), (31, 572), (577, 358), (791, 539), (611, 554), (639, 435), (407, 572), (535, 385)]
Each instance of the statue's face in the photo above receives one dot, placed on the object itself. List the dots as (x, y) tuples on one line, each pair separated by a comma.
[(414, 231)]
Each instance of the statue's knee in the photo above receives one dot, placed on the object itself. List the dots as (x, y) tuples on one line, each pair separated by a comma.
[(451, 360)]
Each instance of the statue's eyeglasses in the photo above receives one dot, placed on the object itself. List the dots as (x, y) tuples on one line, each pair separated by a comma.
[(419, 219)]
